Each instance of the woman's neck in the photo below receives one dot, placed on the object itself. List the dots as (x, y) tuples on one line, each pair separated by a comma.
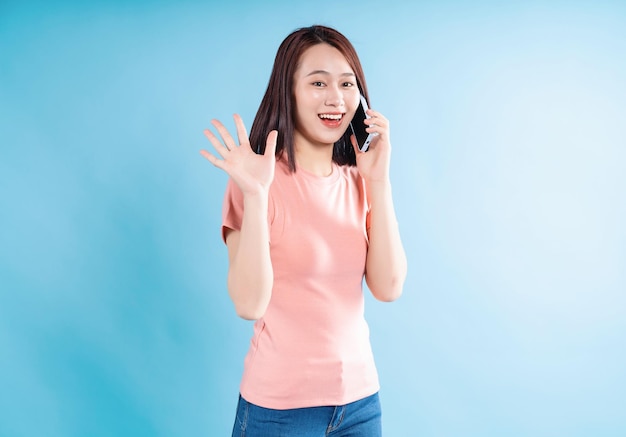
[(316, 160)]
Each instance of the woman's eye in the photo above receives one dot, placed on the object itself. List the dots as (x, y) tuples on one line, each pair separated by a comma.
[(318, 83), (348, 84)]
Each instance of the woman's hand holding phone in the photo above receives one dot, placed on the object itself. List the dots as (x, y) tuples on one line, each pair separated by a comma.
[(359, 127), (373, 166)]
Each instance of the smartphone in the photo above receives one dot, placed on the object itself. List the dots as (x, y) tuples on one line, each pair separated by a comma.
[(358, 126)]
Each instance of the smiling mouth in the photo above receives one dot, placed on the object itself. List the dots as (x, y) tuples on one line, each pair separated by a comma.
[(331, 117)]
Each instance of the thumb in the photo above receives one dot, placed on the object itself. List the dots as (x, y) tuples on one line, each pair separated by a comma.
[(270, 144)]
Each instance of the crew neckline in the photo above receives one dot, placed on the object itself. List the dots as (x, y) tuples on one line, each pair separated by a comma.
[(320, 180)]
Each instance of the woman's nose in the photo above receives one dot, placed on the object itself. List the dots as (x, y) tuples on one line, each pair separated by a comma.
[(334, 96)]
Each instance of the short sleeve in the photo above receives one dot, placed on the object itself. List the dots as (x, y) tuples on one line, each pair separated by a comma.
[(232, 208), (232, 212)]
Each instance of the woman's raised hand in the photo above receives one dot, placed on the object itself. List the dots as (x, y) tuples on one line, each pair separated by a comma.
[(253, 173)]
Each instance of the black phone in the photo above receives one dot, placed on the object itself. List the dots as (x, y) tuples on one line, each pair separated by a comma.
[(363, 138)]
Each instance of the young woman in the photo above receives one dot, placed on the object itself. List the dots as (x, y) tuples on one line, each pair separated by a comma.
[(306, 217)]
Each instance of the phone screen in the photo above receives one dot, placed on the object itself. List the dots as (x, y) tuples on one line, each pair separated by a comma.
[(358, 126)]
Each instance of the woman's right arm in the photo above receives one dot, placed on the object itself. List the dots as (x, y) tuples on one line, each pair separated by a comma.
[(250, 273)]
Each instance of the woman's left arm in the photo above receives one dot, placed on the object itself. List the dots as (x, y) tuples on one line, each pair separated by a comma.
[(386, 264)]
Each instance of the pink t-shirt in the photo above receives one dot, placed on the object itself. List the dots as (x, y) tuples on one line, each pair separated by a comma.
[(311, 347)]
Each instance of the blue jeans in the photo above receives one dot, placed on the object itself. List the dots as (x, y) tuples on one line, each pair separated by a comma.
[(361, 418)]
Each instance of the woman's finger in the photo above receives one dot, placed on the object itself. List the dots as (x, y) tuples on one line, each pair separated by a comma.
[(229, 142), (374, 113), (242, 134), (217, 144), (376, 118), (270, 144), (212, 159), (377, 124), (354, 145), (378, 121)]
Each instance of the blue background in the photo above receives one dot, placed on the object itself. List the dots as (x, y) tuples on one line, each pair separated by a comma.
[(509, 134)]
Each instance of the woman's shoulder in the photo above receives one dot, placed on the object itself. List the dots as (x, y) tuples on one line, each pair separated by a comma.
[(349, 172)]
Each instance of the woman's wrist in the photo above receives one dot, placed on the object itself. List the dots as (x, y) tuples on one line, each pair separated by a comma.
[(378, 184), (257, 201)]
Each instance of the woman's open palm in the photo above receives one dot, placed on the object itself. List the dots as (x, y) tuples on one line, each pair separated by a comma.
[(253, 173)]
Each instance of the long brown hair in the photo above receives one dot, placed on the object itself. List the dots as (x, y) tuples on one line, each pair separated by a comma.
[(277, 109)]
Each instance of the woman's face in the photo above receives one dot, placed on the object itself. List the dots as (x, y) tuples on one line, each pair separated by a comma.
[(326, 96)]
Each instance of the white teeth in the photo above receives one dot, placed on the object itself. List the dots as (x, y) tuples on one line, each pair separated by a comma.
[(331, 116)]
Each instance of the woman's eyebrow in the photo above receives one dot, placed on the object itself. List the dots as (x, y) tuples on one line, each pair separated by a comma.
[(324, 72)]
